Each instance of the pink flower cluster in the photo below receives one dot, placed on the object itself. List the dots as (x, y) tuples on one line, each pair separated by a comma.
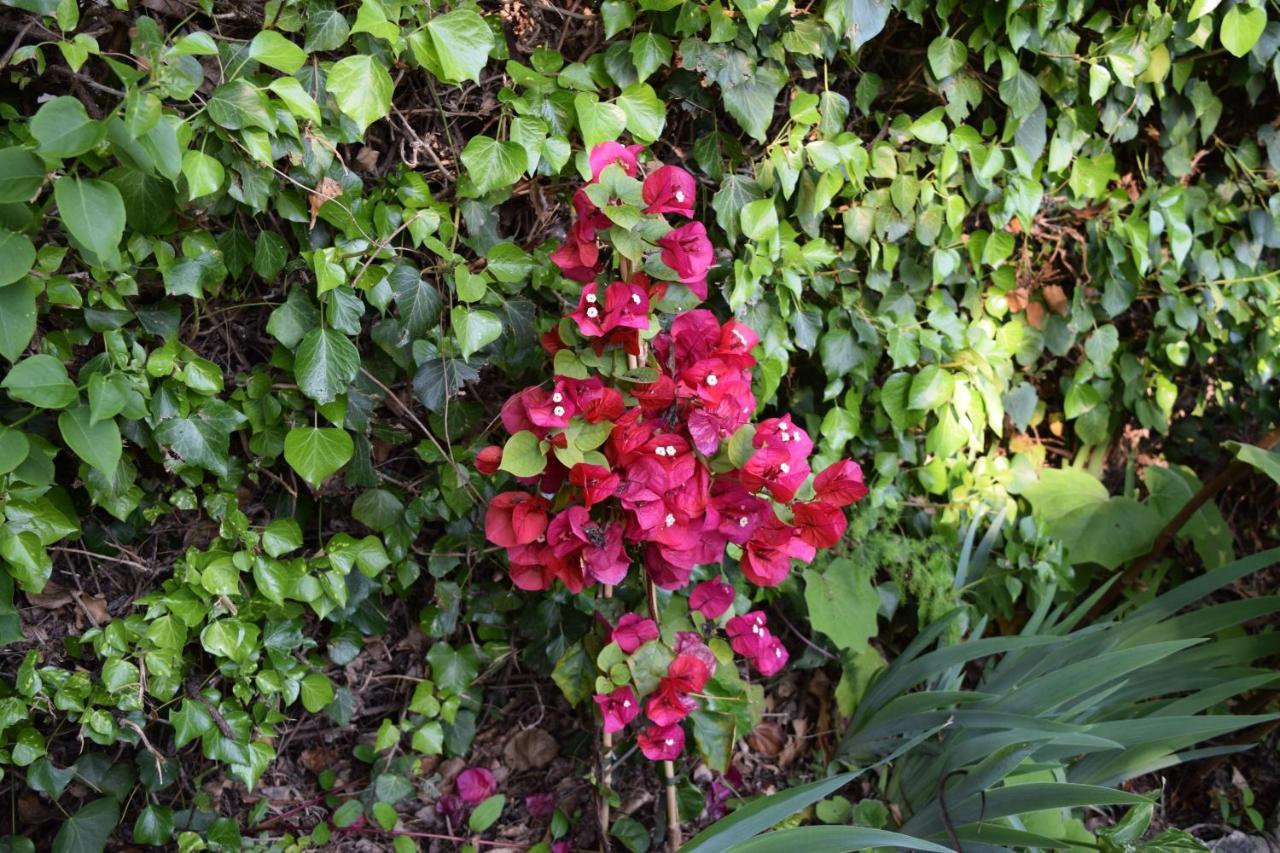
[(649, 496)]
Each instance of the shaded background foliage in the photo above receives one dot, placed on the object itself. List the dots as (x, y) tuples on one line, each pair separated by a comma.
[(268, 271)]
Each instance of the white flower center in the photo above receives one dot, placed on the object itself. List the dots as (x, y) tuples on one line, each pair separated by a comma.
[(661, 451), (741, 338), (670, 519), (669, 742), (784, 435), (712, 380), (557, 397), (744, 521), (591, 298), (626, 703), (777, 653), (635, 298), (784, 468), (592, 313), (671, 451), (679, 195), (755, 627), (558, 411)]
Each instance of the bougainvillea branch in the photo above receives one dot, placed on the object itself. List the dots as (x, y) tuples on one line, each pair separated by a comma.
[(639, 460)]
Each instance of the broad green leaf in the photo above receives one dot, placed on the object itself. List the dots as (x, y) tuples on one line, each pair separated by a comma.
[(843, 602), (274, 50), (98, 444), (463, 42), (759, 815), (492, 164), (238, 105), (523, 455), (62, 128), (325, 364), (1242, 26), (203, 173), (21, 175), (646, 114), (296, 98), (1094, 527), (327, 29), (17, 318), (17, 256), (930, 127), (93, 213), (930, 388), (858, 21), (759, 219), (474, 329), (751, 101), (649, 52), (317, 452), (154, 825), (362, 87), (88, 830), (487, 813), (946, 56), (14, 448), (599, 122), (316, 692), (836, 839)]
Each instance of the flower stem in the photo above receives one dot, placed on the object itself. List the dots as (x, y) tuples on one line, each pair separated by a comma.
[(674, 839), (606, 770)]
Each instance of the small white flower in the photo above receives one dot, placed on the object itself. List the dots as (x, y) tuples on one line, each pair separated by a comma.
[(784, 468), (591, 298), (558, 411), (660, 450), (680, 195), (671, 451), (557, 397), (626, 703), (670, 520), (712, 380), (593, 313), (777, 652), (744, 521), (755, 627), (635, 298), (741, 338), (669, 742)]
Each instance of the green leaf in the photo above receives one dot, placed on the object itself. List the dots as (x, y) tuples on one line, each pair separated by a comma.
[(751, 102), (14, 448), (296, 98), (153, 826), (1242, 26), (523, 456), (326, 364), (274, 50), (1266, 461), (281, 536), (836, 839), (1094, 527), (759, 815), (89, 829), (239, 105), (203, 173), (599, 122), (98, 444), (946, 56), (859, 21), (574, 674), (62, 128), (93, 213), (317, 452), (649, 52), (487, 813), (327, 29), (463, 42), (21, 175), (362, 87), (1021, 92), (316, 691), (17, 256), (474, 329), (646, 114), (17, 319), (843, 603), (492, 164), (930, 127), (930, 388)]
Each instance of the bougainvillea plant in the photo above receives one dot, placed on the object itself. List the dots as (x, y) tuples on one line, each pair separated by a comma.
[(641, 467)]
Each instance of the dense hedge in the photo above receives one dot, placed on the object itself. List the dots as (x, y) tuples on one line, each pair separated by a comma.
[(267, 272)]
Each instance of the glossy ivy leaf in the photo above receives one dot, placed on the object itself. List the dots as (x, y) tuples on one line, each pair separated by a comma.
[(274, 50), (843, 602), (523, 455), (88, 830), (21, 175), (492, 164), (463, 42), (946, 56), (316, 692), (649, 52), (362, 88), (62, 128), (751, 102), (1241, 28), (599, 122), (17, 318), (17, 256), (154, 825), (203, 173), (858, 21), (317, 452), (326, 363), (474, 329), (646, 114)]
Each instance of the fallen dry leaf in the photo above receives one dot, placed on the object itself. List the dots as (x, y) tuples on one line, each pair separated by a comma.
[(766, 738), (1057, 300), (326, 190), (94, 607), (530, 749), (52, 598)]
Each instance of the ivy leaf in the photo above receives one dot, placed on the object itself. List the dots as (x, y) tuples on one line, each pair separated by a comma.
[(317, 452), (523, 455), (859, 21), (1242, 26), (474, 329), (751, 102), (492, 164), (1021, 93), (93, 213), (930, 389), (946, 56), (438, 378), (646, 114), (325, 364), (203, 173), (89, 829), (275, 51), (316, 691), (238, 105), (98, 444), (362, 87), (154, 825), (21, 175), (843, 603), (463, 42), (62, 128), (599, 122), (649, 52), (327, 28)]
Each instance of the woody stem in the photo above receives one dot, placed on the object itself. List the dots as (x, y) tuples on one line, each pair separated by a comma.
[(606, 769), (674, 839)]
